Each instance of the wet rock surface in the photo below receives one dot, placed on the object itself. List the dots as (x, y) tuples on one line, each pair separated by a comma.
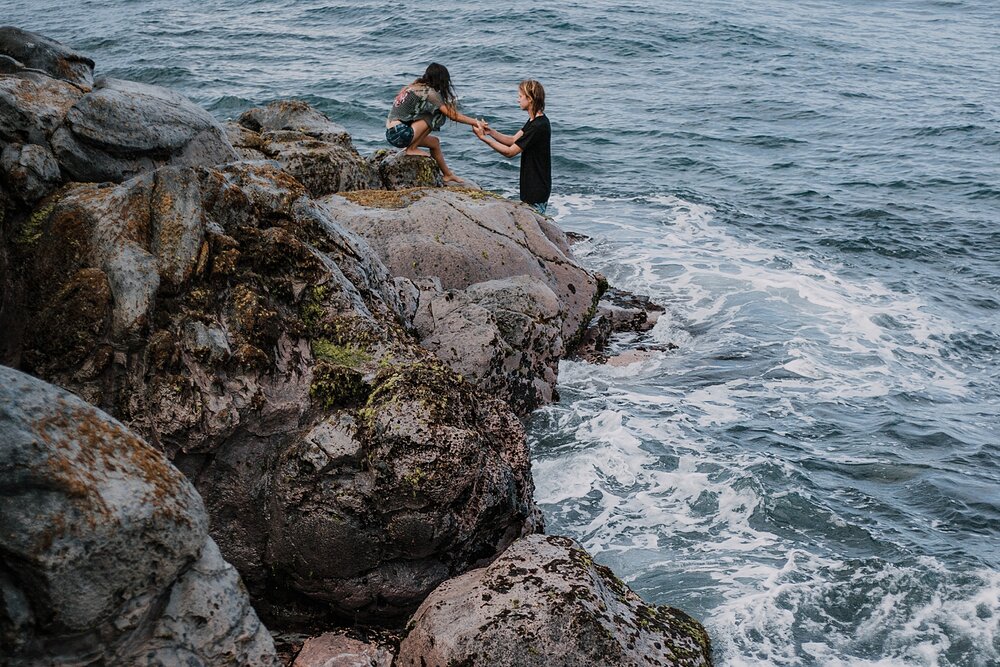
[(106, 556), (545, 602), (620, 312)]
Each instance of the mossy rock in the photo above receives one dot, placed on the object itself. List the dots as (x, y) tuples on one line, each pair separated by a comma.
[(335, 386)]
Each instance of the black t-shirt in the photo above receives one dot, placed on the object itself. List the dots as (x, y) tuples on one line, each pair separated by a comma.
[(536, 161)]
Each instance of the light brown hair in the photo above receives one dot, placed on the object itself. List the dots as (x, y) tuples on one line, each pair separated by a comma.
[(535, 92)]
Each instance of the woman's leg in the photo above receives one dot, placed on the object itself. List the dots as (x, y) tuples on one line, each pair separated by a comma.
[(434, 144), (422, 137), (420, 131)]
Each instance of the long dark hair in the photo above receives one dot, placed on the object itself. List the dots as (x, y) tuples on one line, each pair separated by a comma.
[(436, 76)]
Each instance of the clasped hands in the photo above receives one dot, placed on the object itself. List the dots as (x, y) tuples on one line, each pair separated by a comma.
[(482, 128)]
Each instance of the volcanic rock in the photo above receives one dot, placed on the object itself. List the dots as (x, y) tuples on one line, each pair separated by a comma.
[(226, 316)]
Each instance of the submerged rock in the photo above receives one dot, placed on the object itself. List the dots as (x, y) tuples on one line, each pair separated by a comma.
[(106, 556), (620, 312), (545, 602)]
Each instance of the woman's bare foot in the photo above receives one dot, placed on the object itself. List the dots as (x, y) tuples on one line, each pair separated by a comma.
[(452, 178), (416, 151)]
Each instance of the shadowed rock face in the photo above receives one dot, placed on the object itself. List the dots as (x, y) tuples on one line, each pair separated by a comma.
[(545, 602), (226, 316), (106, 556)]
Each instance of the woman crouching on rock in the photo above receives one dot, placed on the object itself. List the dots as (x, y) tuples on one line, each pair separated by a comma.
[(421, 108)]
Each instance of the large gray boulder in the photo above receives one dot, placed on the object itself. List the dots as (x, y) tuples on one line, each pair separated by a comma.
[(464, 237), (306, 144), (123, 128), (499, 296), (225, 315), (545, 603), (105, 553), (57, 124), (34, 51)]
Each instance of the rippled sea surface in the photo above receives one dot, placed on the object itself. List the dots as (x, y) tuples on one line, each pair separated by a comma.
[(811, 188)]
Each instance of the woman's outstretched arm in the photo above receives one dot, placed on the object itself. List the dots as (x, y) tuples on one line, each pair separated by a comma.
[(459, 117)]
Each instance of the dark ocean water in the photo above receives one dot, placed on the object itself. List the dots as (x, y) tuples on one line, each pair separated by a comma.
[(811, 188)]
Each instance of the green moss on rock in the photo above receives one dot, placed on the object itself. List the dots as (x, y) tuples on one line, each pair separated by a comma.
[(339, 355), (336, 386), (31, 230)]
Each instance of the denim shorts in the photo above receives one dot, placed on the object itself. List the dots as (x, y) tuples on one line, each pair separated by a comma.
[(399, 135)]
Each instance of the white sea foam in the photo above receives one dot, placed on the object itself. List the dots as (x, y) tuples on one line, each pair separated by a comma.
[(650, 477), (725, 281)]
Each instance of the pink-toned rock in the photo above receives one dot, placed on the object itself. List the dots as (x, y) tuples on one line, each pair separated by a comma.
[(464, 237), (545, 603), (336, 649)]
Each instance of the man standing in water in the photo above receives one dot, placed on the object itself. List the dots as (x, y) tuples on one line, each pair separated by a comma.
[(532, 140)]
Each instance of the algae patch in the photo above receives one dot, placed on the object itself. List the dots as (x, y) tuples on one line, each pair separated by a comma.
[(385, 198)]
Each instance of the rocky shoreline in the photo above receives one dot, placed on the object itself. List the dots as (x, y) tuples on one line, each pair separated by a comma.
[(274, 372)]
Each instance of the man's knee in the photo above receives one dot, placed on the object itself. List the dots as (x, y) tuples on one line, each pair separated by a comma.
[(432, 142)]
